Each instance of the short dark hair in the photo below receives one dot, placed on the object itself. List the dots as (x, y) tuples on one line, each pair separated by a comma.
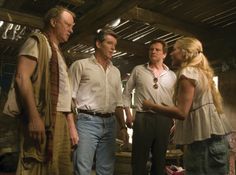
[(55, 12), (162, 42), (100, 35)]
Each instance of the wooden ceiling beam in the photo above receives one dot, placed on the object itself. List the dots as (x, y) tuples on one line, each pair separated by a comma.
[(122, 45), (102, 14), (162, 22), (75, 2), (14, 4), (206, 35), (87, 39), (20, 18)]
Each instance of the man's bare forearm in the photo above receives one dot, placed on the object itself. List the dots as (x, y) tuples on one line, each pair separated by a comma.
[(120, 117)]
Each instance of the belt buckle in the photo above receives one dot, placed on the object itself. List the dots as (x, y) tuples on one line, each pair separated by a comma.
[(76, 111)]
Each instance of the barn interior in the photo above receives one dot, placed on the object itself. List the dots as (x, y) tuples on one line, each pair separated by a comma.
[(136, 22)]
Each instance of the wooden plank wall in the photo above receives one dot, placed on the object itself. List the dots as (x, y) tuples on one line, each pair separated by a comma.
[(227, 87)]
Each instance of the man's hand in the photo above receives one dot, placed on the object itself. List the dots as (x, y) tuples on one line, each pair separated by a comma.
[(37, 129), (129, 121), (74, 137), (124, 136), (129, 118)]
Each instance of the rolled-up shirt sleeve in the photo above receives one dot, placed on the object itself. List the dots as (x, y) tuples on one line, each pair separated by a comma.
[(29, 48)]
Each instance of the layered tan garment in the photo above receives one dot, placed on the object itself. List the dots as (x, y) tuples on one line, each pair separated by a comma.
[(32, 159)]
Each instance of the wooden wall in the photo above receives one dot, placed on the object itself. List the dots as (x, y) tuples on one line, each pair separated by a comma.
[(7, 69), (227, 87)]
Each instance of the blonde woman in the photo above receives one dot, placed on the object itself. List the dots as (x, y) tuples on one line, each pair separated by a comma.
[(201, 124)]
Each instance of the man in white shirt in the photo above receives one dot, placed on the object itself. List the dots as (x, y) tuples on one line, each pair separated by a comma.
[(153, 81), (96, 91)]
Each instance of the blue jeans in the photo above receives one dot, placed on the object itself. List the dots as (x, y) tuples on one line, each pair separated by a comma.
[(207, 157), (96, 135)]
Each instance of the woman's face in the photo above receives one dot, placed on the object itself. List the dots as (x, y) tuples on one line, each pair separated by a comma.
[(176, 56)]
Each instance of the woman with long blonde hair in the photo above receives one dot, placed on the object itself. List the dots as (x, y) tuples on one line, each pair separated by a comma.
[(201, 124)]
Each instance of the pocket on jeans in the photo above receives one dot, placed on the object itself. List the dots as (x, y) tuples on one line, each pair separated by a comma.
[(84, 117), (218, 153)]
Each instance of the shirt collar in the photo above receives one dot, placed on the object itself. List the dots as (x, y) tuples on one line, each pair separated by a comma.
[(93, 59), (166, 68)]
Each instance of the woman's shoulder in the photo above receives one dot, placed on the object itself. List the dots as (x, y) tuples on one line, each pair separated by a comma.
[(190, 72), (189, 69)]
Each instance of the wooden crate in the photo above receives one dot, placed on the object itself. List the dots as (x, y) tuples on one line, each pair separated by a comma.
[(123, 163)]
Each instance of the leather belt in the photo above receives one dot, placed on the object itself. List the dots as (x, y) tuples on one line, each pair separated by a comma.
[(105, 115)]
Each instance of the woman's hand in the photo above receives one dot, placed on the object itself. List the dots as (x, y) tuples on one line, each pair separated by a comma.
[(147, 104)]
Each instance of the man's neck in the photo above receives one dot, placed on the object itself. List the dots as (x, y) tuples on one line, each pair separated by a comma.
[(157, 68), (102, 61), (157, 65), (53, 37)]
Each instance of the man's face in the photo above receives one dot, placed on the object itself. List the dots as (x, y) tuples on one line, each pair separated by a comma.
[(156, 53), (64, 26), (107, 47)]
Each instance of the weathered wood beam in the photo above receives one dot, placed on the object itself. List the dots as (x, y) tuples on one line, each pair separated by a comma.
[(13, 4), (75, 2), (99, 17), (205, 34), (87, 39), (162, 22), (20, 18), (123, 45)]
